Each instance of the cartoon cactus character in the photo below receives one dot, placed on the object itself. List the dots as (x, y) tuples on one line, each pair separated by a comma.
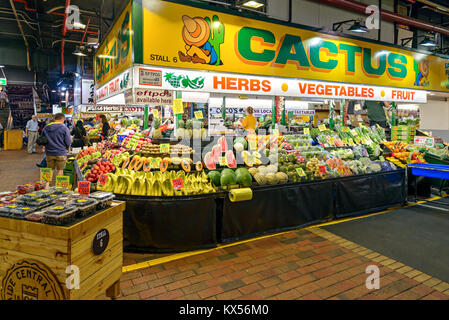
[(216, 35)]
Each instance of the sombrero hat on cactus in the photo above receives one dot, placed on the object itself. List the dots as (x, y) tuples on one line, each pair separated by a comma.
[(196, 31)]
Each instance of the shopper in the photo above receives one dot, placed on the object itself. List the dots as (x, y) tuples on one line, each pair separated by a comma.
[(1, 137), (79, 135), (376, 112), (3, 97), (59, 141), (31, 132), (249, 123), (104, 127)]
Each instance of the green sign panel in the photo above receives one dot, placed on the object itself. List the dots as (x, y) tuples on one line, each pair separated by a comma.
[(2, 81)]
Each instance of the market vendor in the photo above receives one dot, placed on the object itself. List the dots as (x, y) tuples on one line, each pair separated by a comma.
[(376, 112), (249, 123)]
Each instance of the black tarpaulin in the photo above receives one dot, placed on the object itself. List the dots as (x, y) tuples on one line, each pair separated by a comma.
[(368, 193), (276, 208), (181, 223)]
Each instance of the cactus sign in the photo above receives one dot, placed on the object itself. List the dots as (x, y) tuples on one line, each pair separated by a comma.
[(196, 38), (115, 54)]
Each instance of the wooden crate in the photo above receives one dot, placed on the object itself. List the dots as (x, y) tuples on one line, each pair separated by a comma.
[(48, 251)]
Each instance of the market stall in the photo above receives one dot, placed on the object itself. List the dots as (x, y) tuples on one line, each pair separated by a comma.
[(208, 159), (59, 245)]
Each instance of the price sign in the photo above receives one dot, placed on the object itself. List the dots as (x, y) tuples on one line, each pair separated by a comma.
[(353, 132), (100, 242), (253, 145), (102, 179), (84, 187), (306, 131), (154, 164), (178, 108), (223, 161), (198, 114), (62, 182), (322, 127), (177, 183), (322, 169), (164, 148), (300, 172), (46, 174), (345, 129)]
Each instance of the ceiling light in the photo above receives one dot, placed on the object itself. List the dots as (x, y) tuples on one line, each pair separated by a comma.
[(78, 25), (2, 66), (78, 52), (105, 56), (358, 27), (427, 42), (253, 4), (63, 88)]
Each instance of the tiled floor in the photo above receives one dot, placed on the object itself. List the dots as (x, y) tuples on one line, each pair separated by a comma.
[(304, 264)]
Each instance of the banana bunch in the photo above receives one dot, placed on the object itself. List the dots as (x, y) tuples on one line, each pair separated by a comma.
[(156, 184)]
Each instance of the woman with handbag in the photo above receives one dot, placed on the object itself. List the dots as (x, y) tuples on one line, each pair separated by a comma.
[(79, 135)]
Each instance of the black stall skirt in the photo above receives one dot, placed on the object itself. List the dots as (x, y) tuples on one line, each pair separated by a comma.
[(369, 193), (171, 224), (277, 208)]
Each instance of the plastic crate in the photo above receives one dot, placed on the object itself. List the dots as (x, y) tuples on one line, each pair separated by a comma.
[(438, 171)]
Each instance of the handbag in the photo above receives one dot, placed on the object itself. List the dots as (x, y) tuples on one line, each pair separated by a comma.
[(42, 141)]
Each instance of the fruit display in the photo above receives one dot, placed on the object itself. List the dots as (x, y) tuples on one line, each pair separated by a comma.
[(229, 177), (175, 149), (97, 168), (156, 184), (292, 141)]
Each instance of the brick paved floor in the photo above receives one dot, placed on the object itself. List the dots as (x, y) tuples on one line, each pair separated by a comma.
[(295, 265)]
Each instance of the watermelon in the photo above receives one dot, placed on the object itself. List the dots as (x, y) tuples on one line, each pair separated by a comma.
[(242, 141), (223, 143), (227, 171), (209, 161), (230, 158), (227, 178), (214, 176), (216, 152), (243, 177)]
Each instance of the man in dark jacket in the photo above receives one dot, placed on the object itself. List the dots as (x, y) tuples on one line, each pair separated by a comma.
[(59, 141)]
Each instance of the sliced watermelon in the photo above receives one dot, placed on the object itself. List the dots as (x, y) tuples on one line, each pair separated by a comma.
[(209, 161), (223, 143), (216, 152), (230, 158)]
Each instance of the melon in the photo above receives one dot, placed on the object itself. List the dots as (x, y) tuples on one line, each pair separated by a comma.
[(230, 159), (271, 169), (282, 177), (216, 152), (228, 178), (227, 171), (260, 179), (253, 171), (243, 177), (214, 176), (242, 141), (272, 178), (209, 161), (223, 143)]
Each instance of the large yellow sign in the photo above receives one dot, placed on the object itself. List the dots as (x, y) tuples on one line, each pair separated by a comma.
[(181, 36), (115, 53)]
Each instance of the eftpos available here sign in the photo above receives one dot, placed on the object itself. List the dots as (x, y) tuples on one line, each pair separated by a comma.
[(153, 96)]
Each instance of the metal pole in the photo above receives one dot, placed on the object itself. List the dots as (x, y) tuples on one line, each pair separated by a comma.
[(380, 21)]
